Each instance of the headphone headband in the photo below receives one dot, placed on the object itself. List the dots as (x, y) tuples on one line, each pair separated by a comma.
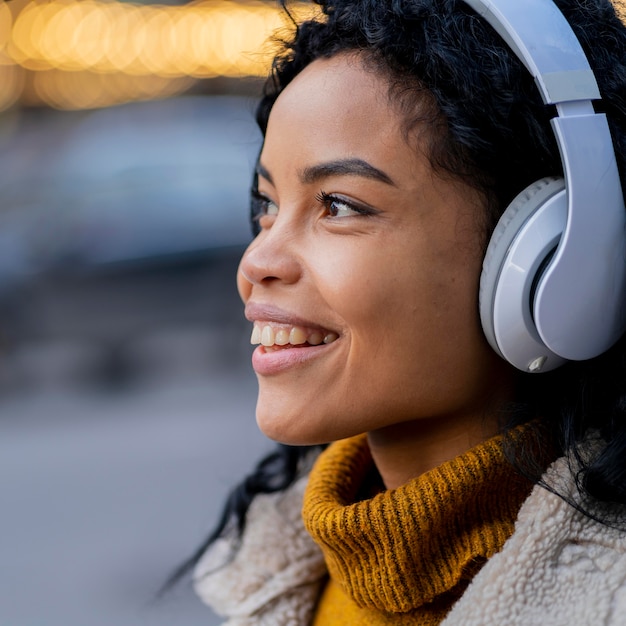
[(540, 36)]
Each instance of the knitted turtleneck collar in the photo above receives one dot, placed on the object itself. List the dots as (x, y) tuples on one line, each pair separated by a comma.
[(407, 547)]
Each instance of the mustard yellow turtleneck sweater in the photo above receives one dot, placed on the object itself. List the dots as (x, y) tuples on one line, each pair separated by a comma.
[(406, 555)]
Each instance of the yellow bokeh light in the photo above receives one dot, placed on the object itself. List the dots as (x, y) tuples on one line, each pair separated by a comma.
[(177, 45), (55, 41), (89, 33), (203, 36), (173, 44), (96, 52), (200, 39), (118, 26), (123, 58), (20, 46), (6, 23), (152, 54), (139, 38)]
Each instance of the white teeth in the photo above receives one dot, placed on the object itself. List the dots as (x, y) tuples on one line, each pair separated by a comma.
[(282, 337), (268, 336), (297, 336)]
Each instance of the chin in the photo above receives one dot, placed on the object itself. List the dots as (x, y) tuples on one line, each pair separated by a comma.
[(292, 429), (278, 430)]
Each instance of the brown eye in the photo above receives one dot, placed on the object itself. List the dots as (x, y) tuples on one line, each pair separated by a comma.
[(340, 207), (262, 206), (337, 208)]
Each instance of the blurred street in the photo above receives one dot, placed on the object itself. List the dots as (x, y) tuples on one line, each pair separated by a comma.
[(126, 392), (104, 491)]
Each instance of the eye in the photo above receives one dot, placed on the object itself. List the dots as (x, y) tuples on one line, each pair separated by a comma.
[(262, 206), (340, 207), (270, 207)]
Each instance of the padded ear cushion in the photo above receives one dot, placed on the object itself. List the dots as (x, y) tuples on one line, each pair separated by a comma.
[(512, 221)]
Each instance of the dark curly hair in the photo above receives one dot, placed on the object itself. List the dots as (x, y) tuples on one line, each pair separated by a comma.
[(489, 127)]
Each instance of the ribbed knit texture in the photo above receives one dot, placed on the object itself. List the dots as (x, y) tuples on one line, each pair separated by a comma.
[(410, 551)]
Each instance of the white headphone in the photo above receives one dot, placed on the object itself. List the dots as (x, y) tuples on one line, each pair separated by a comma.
[(553, 285)]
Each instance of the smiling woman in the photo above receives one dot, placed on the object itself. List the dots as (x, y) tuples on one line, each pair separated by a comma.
[(417, 180), (354, 219)]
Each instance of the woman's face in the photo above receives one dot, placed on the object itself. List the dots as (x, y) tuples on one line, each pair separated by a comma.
[(362, 284)]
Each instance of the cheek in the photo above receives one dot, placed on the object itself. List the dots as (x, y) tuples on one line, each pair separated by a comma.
[(348, 281), (430, 301)]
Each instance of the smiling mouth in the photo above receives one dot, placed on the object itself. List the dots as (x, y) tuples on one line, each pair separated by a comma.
[(276, 336)]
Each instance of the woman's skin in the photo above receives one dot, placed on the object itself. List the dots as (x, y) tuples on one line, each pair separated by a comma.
[(364, 246)]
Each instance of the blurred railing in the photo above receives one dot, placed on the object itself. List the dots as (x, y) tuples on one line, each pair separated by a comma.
[(85, 54)]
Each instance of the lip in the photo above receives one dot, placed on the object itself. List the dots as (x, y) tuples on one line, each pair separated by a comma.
[(259, 312), (269, 363)]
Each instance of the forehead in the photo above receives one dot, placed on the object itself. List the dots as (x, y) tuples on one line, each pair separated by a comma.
[(344, 75), (338, 108)]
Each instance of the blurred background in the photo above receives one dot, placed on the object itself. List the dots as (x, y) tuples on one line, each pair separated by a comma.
[(127, 142)]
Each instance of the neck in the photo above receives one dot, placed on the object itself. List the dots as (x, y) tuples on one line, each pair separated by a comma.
[(414, 548), (404, 451)]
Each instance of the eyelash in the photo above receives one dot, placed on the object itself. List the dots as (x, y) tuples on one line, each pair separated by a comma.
[(260, 202), (329, 199)]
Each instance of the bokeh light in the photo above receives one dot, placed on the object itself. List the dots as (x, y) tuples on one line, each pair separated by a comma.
[(93, 53)]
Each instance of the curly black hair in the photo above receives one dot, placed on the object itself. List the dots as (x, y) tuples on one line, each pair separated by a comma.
[(489, 127)]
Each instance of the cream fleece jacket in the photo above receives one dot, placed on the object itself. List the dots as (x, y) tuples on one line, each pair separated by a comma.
[(559, 568)]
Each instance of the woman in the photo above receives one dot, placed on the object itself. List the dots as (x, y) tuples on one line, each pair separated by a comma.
[(457, 488)]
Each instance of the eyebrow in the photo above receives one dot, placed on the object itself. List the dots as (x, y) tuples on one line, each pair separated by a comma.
[(340, 167), (262, 171)]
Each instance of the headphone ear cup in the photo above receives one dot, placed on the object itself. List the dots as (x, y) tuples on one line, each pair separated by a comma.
[(519, 249)]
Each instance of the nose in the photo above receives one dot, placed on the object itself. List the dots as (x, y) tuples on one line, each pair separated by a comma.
[(269, 260)]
